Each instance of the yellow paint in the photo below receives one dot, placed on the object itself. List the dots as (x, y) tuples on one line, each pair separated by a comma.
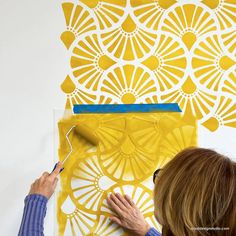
[(189, 39), (128, 98), (212, 124), (212, 4), (189, 87), (91, 4), (78, 21), (165, 51), (67, 38), (142, 141), (128, 25), (105, 62), (165, 4), (152, 62), (226, 62), (68, 85)]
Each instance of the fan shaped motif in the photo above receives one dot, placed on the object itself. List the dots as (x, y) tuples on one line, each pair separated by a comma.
[(128, 41), (168, 62), (108, 12), (88, 183), (225, 115), (224, 10), (149, 12), (78, 22), (77, 221), (88, 62), (229, 85), (147, 131), (128, 84), (209, 62), (189, 22), (128, 162), (192, 100), (75, 95), (229, 40), (177, 140)]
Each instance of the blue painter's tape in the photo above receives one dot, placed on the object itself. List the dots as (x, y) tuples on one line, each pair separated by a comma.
[(126, 108)]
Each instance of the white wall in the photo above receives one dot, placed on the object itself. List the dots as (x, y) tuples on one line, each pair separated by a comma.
[(33, 63)]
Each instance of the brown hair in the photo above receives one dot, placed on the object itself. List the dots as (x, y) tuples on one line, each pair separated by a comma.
[(195, 194)]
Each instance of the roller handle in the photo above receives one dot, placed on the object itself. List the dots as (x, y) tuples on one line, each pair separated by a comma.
[(55, 166)]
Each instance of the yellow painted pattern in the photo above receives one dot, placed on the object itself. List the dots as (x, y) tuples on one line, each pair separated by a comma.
[(140, 51), (131, 147)]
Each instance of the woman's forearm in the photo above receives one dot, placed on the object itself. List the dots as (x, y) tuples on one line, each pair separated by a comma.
[(33, 216)]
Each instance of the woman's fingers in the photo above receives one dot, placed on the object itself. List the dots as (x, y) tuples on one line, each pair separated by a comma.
[(130, 201), (115, 220), (56, 172), (113, 205), (122, 200), (118, 202)]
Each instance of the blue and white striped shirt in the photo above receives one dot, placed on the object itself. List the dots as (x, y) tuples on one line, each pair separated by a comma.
[(34, 213), (33, 216)]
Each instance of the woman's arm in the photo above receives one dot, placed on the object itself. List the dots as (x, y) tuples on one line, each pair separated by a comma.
[(33, 216), (36, 203)]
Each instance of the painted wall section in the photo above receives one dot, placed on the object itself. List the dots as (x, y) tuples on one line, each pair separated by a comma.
[(134, 51), (131, 147)]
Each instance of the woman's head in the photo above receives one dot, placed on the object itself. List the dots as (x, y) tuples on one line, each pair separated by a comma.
[(196, 191)]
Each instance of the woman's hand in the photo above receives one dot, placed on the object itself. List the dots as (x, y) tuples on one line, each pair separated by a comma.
[(128, 215), (47, 183)]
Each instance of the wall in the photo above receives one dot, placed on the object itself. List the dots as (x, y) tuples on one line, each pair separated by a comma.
[(33, 63)]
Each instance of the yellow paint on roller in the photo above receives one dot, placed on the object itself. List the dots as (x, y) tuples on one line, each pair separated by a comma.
[(87, 133)]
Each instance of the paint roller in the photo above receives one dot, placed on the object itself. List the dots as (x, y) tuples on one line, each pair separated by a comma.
[(87, 134), (84, 132)]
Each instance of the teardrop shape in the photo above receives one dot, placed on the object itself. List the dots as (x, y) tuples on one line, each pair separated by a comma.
[(165, 4), (189, 87), (68, 85), (152, 62), (128, 25), (213, 4), (68, 207), (67, 37), (211, 124), (89, 3), (189, 39), (127, 147), (105, 62), (226, 62)]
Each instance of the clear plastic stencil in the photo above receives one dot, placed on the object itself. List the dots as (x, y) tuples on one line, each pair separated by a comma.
[(131, 146)]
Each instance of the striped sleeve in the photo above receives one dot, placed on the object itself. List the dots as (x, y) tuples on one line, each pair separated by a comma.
[(33, 216), (152, 232)]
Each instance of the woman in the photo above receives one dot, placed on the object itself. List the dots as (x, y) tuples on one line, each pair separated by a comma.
[(194, 194)]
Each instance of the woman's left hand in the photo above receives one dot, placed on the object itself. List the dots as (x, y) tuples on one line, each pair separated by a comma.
[(128, 215)]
